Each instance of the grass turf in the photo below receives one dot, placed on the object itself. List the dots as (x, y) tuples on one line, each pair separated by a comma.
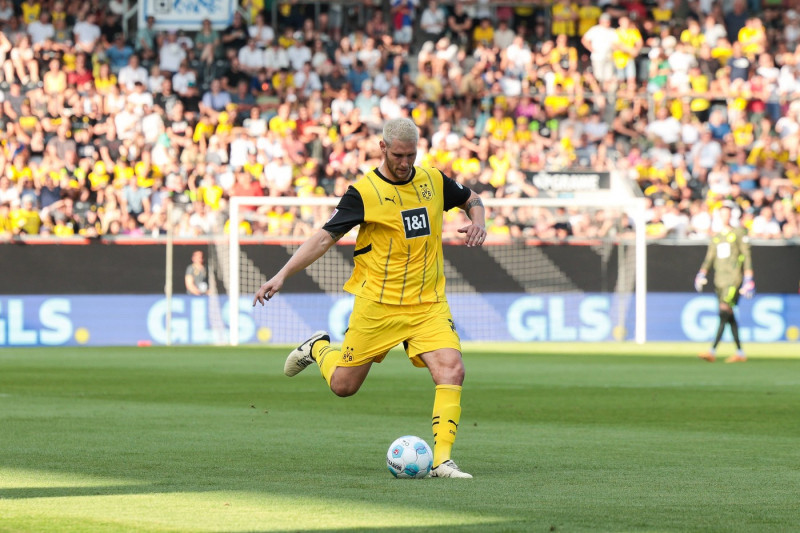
[(570, 437)]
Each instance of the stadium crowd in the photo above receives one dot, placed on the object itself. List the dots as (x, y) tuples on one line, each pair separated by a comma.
[(696, 102)]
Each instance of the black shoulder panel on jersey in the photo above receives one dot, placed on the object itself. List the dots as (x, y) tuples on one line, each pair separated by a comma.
[(454, 193), (348, 214)]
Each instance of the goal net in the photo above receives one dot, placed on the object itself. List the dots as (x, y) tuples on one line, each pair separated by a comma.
[(552, 269)]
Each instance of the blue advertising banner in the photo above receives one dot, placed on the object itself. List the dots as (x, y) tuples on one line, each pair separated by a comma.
[(186, 14), (130, 320)]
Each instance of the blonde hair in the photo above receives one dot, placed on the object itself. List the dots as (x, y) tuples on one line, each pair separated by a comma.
[(400, 129)]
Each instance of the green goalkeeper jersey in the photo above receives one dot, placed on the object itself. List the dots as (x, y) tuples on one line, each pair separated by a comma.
[(729, 254)]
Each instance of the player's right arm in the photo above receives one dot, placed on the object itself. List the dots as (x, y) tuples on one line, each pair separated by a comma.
[(700, 279), (348, 214), (311, 250), (711, 253)]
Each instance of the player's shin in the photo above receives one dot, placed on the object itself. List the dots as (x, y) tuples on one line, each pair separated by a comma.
[(724, 316), (326, 358), (735, 331), (446, 414)]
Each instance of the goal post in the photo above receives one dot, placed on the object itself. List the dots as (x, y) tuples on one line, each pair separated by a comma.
[(531, 273)]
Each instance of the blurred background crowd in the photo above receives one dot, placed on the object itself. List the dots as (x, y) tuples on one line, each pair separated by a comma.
[(694, 102)]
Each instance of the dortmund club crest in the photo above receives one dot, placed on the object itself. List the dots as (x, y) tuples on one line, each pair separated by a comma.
[(427, 193), (347, 354)]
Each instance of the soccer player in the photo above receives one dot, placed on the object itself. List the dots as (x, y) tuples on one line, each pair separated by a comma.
[(729, 254), (398, 281)]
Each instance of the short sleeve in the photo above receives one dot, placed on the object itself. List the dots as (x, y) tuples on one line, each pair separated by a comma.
[(454, 193), (348, 214)]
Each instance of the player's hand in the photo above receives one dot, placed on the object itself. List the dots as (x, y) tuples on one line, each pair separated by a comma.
[(700, 281), (475, 235), (268, 290), (748, 288)]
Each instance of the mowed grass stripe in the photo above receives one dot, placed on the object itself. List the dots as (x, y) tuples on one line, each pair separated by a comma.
[(217, 439)]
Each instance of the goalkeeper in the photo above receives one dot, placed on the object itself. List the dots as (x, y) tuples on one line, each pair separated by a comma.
[(398, 281), (729, 254)]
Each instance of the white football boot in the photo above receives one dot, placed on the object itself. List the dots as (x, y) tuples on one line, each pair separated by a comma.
[(449, 469), (301, 356)]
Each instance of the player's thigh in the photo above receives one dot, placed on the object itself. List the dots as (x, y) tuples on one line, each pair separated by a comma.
[(373, 330), (346, 380), (728, 294), (432, 329), (445, 365)]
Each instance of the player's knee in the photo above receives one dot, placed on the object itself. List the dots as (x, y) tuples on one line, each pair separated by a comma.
[(343, 391), (344, 388), (453, 372), (458, 375)]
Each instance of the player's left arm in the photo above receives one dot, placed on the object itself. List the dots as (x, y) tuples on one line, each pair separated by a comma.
[(475, 233), (456, 195), (744, 249), (748, 288)]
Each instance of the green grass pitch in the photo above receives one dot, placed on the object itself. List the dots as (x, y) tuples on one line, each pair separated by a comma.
[(574, 437)]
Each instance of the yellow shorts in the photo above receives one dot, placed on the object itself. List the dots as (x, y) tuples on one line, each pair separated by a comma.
[(376, 328)]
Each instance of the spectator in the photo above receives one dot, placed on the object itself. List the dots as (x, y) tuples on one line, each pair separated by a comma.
[(25, 219), (132, 73), (564, 18), (298, 53), (261, 32), (171, 53), (119, 54), (196, 278), (403, 15), (459, 25), (184, 80), (251, 58), (764, 225), (665, 127), (598, 40), (432, 22), (87, 33), (235, 36), (41, 30), (215, 99), (145, 43), (625, 49), (357, 76), (736, 19), (6, 10)]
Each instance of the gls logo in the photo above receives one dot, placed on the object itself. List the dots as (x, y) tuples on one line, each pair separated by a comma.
[(700, 316)]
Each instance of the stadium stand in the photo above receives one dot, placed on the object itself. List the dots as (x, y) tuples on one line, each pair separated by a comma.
[(696, 102)]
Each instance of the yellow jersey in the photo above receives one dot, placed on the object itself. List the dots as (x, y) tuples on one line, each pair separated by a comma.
[(629, 37), (30, 12), (695, 40), (499, 129), (661, 15), (587, 17), (483, 35), (566, 27), (398, 255), (280, 126), (27, 220)]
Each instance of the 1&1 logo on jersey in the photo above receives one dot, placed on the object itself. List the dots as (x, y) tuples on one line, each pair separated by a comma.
[(416, 222)]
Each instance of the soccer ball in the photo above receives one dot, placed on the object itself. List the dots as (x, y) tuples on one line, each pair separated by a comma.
[(409, 457)]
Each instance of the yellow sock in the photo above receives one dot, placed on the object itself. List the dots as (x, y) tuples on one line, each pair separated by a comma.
[(326, 358), (446, 414)]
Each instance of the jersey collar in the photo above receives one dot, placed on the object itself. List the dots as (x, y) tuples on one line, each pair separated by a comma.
[(387, 180)]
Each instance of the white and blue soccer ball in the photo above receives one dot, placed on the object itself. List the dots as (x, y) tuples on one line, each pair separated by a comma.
[(409, 457)]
